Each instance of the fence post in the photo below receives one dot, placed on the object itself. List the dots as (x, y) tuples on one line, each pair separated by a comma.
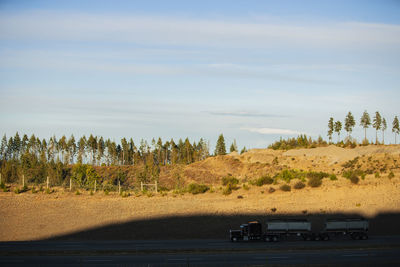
[(156, 187), (95, 186), (70, 184), (23, 180), (0, 178), (47, 182), (141, 186), (119, 187)]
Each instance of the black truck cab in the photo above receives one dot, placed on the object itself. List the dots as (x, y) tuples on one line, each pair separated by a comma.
[(248, 231)]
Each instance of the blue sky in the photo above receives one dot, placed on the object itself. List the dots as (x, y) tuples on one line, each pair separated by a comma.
[(253, 70)]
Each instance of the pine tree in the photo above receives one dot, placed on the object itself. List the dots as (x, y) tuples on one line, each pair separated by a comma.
[(220, 148), (3, 148), (349, 123), (330, 129), (365, 123), (377, 125), (396, 128), (384, 127), (244, 150), (233, 146), (338, 128)]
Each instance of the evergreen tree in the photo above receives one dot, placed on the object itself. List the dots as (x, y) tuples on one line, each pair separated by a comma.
[(365, 122), (71, 148), (220, 148), (330, 129), (3, 147), (233, 146), (243, 150), (384, 127), (349, 123), (377, 125), (395, 129), (17, 145), (338, 128)]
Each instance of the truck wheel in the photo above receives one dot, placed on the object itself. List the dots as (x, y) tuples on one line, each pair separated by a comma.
[(364, 237), (275, 239), (267, 239), (325, 237), (317, 238), (234, 239)]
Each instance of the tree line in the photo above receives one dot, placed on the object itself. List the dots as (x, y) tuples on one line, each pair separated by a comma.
[(378, 123)]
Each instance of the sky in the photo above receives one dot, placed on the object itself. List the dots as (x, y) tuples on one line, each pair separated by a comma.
[(252, 70)]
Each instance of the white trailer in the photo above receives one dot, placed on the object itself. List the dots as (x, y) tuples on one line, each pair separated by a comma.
[(355, 228), (276, 229)]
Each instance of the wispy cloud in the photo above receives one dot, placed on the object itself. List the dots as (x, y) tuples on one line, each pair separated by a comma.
[(245, 114), (272, 131), (41, 25)]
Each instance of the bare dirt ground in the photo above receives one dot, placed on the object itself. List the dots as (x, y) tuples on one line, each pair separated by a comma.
[(30, 216)]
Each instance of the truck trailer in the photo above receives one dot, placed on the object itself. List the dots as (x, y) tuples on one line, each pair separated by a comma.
[(278, 229)]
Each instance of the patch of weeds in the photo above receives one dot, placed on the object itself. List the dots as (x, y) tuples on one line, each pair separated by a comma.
[(391, 175), (377, 175), (227, 190), (262, 192), (149, 194), (230, 180), (358, 204), (319, 175), (106, 192), (33, 190), (246, 187), (333, 177), (125, 194), (315, 182), (48, 191), (271, 190), (197, 188), (164, 193), (304, 211), (299, 185), (285, 188), (354, 179), (263, 180), (17, 190), (350, 163), (273, 209), (77, 192), (91, 192)]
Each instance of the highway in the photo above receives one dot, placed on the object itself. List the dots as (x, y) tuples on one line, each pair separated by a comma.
[(382, 251)]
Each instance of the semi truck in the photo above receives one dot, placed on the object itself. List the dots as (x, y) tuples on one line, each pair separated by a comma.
[(276, 230)]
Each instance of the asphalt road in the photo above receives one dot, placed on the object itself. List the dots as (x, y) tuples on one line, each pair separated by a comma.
[(377, 251)]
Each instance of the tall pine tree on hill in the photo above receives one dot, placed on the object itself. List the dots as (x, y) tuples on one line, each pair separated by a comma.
[(220, 148)]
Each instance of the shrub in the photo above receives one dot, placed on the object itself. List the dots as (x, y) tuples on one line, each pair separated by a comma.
[(17, 190), (125, 194), (77, 193), (245, 187), (227, 190), (197, 188), (2, 186), (106, 192), (299, 185), (273, 209), (354, 179), (332, 177), (271, 190), (285, 188), (240, 197), (263, 180), (391, 175), (377, 175), (314, 182), (230, 180), (48, 191), (33, 190), (319, 175)]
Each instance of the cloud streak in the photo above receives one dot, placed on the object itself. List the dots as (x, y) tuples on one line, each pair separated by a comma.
[(274, 131), (46, 25), (246, 114)]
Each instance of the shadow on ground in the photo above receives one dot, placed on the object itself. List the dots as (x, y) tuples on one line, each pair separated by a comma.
[(207, 226)]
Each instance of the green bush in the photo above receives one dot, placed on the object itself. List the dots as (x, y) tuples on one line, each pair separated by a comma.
[(285, 188), (263, 180), (315, 182), (377, 175), (125, 194), (230, 180), (197, 188), (391, 175), (245, 187), (333, 177), (77, 193), (17, 190), (299, 185), (319, 175), (227, 190)]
